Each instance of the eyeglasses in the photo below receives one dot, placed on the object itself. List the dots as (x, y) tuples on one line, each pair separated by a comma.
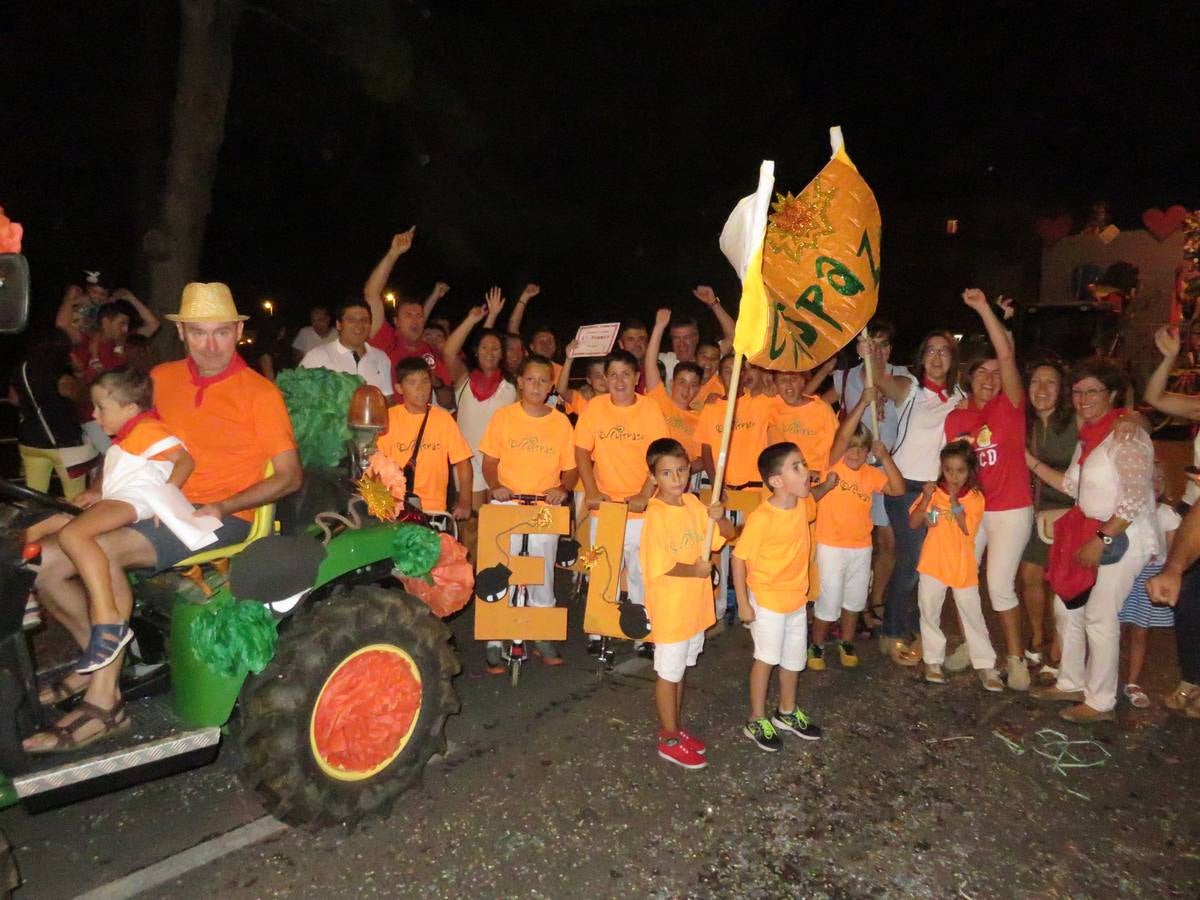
[(938, 351), (1089, 394)]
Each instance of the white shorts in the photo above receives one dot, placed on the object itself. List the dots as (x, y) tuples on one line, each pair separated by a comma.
[(672, 660), (478, 485), (845, 574), (780, 639)]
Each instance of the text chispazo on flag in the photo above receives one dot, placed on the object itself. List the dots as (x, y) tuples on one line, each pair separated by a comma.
[(809, 265)]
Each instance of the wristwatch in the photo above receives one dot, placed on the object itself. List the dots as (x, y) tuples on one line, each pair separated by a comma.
[(1106, 538)]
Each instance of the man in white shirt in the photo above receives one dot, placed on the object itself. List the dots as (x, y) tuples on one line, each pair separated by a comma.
[(685, 332), (321, 331), (351, 352)]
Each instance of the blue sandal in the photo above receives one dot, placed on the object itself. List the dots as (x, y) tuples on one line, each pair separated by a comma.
[(104, 645)]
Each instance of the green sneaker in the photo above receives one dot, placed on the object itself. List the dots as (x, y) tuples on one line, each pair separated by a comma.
[(816, 658), (798, 724), (764, 735)]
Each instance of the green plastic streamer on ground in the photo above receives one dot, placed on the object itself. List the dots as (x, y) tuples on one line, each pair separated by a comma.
[(317, 402), (415, 550), (1068, 754), (233, 636)]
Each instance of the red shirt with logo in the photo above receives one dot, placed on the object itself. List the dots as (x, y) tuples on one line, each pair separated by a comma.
[(390, 341), (997, 432)]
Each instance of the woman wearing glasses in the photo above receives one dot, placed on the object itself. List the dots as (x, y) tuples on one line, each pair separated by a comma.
[(924, 398), (1105, 540)]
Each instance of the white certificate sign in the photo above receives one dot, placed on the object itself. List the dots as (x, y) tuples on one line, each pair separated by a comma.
[(596, 340)]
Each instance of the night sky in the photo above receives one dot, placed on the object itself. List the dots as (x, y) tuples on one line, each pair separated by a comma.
[(595, 147)]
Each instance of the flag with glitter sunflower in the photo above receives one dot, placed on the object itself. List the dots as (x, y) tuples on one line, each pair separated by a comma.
[(809, 265)]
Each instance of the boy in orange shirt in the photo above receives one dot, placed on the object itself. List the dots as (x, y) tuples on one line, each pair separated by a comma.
[(678, 589), (442, 444), (529, 448), (594, 385), (953, 510), (843, 533), (770, 578), (808, 422), (676, 406), (611, 438)]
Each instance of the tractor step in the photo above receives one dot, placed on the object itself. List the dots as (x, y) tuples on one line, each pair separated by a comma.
[(154, 745)]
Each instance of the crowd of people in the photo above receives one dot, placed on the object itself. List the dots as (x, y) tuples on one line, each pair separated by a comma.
[(880, 488)]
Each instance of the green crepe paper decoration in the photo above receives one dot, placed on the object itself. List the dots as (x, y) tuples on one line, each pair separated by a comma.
[(415, 550), (317, 402), (232, 636)]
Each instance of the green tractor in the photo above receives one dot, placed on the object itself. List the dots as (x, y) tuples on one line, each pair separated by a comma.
[(303, 650)]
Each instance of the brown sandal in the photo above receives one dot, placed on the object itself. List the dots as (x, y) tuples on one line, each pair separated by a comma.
[(58, 692), (114, 721), (1180, 699)]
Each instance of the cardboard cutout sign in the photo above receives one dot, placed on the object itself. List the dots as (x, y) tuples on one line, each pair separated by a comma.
[(602, 614), (500, 621)]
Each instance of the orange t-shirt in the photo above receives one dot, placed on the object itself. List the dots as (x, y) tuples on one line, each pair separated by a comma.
[(533, 451), (679, 608), (617, 438), (442, 445), (844, 514), (749, 436), (775, 545), (708, 389), (681, 423), (949, 555), (811, 427), (240, 424)]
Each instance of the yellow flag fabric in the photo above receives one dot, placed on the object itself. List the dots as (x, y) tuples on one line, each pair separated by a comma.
[(809, 267)]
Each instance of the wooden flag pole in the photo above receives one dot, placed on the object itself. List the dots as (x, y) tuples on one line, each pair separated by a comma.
[(726, 434), (869, 381)]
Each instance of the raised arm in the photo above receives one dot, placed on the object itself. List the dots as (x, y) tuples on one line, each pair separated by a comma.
[(1002, 342), (817, 378), (662, 319), (378, 279), (440, 290), (452, 349), (150, 322), (530, 291), (705, 295), (1183, 405), (846, 430), (893, 387), (564, 377)]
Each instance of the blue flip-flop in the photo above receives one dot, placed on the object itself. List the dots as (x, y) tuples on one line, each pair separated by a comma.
[(104, 645)]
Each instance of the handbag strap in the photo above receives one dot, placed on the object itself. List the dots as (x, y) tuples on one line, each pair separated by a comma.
[(33, 402), (410, 468)]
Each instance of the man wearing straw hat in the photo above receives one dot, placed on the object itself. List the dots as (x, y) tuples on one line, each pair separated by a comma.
[(233, 422)]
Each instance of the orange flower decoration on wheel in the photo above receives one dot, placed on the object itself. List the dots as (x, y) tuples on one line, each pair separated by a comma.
[(366, 712)]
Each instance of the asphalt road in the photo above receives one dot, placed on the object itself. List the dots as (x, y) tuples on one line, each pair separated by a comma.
[(553, 788)]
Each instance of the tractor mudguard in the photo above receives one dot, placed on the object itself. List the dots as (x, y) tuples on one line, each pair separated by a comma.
[(355, 549)]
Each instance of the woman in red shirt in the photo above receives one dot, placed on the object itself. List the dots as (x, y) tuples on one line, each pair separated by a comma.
[(993, 422)]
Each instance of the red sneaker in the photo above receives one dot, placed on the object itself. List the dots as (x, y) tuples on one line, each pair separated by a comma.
[(694, 742), (676, 751)]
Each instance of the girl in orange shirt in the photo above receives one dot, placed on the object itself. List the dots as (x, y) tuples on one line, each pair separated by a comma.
[(953, 510)]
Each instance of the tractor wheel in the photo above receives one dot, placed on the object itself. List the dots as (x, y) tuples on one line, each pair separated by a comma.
[(351, 708)]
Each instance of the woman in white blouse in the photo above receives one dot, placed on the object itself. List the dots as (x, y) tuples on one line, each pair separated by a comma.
[(1114, 485), (923, 400)]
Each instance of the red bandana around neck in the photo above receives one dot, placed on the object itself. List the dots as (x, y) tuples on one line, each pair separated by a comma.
[(1092, 434), (939, 389), (483, 385), (236, 365), (132, 423)]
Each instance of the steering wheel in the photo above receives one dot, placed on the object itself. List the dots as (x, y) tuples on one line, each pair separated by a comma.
[(19, 494)]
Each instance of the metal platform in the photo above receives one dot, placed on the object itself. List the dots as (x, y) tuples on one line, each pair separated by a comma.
[(155, 736)]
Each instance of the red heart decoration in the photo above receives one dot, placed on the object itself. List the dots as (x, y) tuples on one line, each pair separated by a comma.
[(1053, 230), (1164, 224)]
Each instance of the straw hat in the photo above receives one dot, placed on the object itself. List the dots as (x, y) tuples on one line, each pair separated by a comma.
[(207, 303)]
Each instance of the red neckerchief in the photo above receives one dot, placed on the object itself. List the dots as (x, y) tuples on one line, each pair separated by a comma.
[(132, 423), (1092, 434), (483, 385), (203, 381), (939, 389)]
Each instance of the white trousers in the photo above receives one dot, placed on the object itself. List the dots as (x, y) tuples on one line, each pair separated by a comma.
[(845, 574), (931, 595), (1091, 635), (724, 570), (1004, 535)]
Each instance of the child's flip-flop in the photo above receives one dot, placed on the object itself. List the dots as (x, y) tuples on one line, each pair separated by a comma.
[(105, 643)]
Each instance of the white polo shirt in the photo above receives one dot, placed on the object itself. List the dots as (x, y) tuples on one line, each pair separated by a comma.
[(307, 338), (921, 437), (373, 364)]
